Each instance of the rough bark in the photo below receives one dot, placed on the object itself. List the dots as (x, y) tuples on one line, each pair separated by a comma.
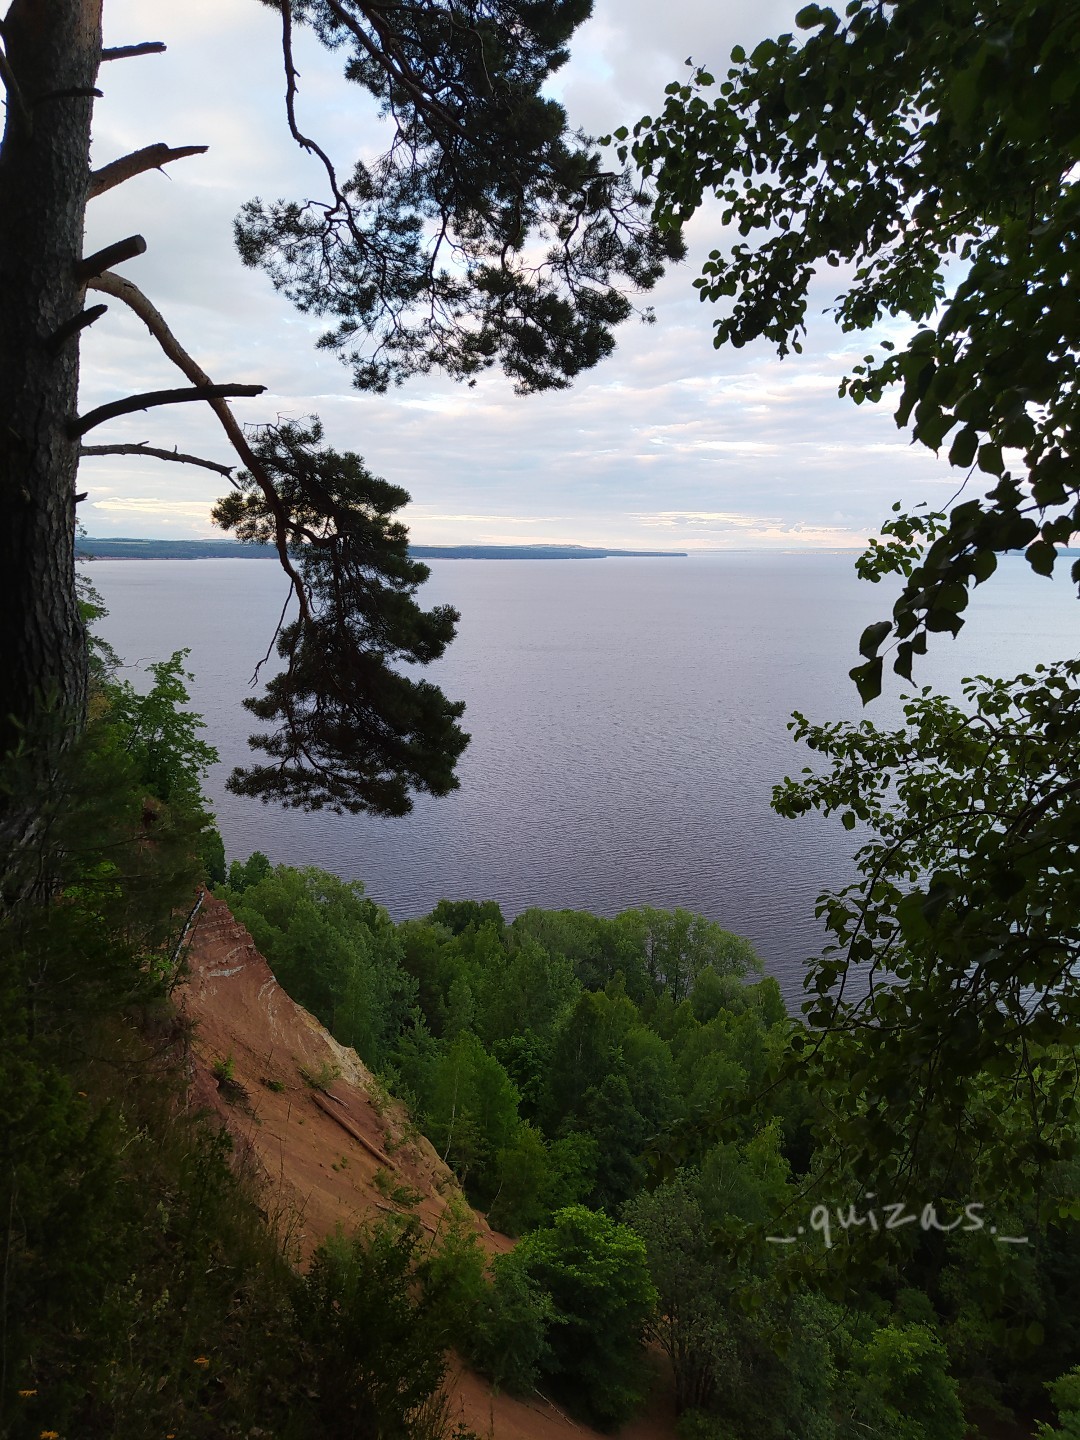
[(53, 50)]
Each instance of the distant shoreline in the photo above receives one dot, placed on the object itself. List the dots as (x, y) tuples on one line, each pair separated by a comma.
[(92, 548)]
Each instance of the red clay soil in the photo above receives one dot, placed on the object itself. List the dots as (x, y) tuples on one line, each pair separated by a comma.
[(331, 1148)]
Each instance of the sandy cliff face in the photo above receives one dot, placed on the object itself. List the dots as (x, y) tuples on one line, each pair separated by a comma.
[(331, 1148)]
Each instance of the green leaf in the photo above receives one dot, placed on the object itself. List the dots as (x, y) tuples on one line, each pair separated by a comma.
[(990, 459), (962, 451), (933, 425), (1041, 557), (983, 566), (1007, 882), (868, 680), (872, 638), (909, 913)]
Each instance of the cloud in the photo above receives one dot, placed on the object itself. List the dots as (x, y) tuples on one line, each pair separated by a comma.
[(493, 519), (143, 505), (666, 426), (698, 517), (709, 529)]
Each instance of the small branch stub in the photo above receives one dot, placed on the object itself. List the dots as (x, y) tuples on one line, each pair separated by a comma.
[(77, 323), (127, 52), (150, 398), (90, 266), (73, 92)]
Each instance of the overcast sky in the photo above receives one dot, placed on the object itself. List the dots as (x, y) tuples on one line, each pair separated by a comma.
[(669, 443)]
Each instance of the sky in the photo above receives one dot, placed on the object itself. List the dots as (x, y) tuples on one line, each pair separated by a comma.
[(668, 444)]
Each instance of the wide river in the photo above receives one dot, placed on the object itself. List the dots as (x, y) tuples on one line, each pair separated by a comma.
[(628, 720)]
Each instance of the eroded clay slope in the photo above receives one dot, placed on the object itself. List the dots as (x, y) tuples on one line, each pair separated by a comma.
[(331, 1147)]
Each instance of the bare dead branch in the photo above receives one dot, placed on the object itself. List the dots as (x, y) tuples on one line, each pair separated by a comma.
[(125, 52), (151, 157), (152, 450), (132, 296), (72, 327), (90, 266), (150, 398), (273, 639), (291, 74)]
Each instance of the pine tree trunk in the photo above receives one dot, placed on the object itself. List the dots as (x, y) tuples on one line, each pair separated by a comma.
[(53, 50)]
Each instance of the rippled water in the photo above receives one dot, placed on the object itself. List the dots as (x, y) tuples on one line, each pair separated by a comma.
[(628, 721)]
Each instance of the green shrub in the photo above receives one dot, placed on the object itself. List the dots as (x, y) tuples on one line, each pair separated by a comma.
[(902, 1386), (510, 1333), (596, 1275), (374, 1327), (697, 1425), (143, 1292), (1065, 1393)]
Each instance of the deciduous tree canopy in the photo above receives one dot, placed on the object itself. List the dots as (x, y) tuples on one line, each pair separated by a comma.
[(950, 996)]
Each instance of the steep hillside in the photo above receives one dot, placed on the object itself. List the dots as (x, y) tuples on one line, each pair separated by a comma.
[(332, 1148)]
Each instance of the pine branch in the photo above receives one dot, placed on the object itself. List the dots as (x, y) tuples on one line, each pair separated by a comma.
[(150, 398), (142, 449), (151, 157), (396, 66)]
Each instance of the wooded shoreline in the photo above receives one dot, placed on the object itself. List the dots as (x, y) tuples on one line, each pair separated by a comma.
[(133, 549)]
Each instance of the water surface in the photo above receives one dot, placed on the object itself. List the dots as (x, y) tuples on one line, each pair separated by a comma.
[(628, 721)]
